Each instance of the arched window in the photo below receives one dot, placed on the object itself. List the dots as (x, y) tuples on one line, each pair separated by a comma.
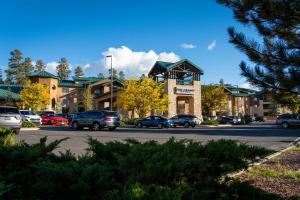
[(53, 104)]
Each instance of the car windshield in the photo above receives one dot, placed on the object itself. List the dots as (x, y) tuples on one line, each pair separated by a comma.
[(27, 112), (9, 110), (111, 114)]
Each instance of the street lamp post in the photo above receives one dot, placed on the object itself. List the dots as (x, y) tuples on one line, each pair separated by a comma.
[(111, 79)]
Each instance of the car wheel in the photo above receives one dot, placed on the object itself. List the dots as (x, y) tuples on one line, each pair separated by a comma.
[(96, 126), (49, 122), (140, 125), (112, 128), (160, 126), (285, 125), (75, 125), (186, 125)]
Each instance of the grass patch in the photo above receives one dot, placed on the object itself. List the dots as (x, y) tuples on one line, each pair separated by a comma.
[(28, 124), (262, 171), (210, 122), (280, 172)]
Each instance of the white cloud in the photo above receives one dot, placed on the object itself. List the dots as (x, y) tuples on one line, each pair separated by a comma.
[(134, 63), (248, 86), (188, 46), (86, 66), (51, 67), (212, 45)]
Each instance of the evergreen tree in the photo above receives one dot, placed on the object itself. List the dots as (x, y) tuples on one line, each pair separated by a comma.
[(277, 57), (115, 73), (221, 82), (24, 70), (40, 66), (63, 69), (1, 77), (78, 71), (15, 62), (100, 75), (121, 75)]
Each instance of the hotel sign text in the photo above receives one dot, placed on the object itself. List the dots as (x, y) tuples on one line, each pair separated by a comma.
[(184, 91)]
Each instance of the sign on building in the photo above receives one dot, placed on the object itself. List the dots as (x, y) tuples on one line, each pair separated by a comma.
[(184, 91)]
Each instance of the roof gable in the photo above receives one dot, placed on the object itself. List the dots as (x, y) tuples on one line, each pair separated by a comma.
[(43, 74), (167, 66)]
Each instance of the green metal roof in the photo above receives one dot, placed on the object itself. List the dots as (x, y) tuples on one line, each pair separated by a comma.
[(87, 79), (5, 94), (169, 65), (43, 74), (69, 83), (241, 92), (11, 87), (165, 65)]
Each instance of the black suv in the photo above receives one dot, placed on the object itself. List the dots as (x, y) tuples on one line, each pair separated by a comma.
[(185, 120), (96, 120)]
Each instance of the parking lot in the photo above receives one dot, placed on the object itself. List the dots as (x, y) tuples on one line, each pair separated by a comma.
[(269, 137)]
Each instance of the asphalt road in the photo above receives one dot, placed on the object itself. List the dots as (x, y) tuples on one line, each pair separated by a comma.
[(272, 138)]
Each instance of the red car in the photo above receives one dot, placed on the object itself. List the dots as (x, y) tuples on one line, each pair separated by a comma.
[(50, 119)]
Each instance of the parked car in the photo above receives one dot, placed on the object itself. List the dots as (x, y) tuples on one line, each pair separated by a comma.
[(230, 120), (66, 115), (96, 120), (186, 120), (154, 121), (50, 119), (288, 120), (28, 115), (45, 112), (10, 118)]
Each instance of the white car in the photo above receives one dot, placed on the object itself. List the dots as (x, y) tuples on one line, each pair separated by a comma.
[(28, 115)]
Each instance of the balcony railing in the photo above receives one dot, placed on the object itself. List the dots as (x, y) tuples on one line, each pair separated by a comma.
[(184, 82)]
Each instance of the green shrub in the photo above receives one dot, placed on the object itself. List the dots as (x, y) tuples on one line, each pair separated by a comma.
[(210, 122), (28, 124), (247, 119), (130, 121), (130, 170), (7, 136), (122, 124)]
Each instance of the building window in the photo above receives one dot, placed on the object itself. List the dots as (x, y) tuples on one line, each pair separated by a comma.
[(97, 91), (53, 87)]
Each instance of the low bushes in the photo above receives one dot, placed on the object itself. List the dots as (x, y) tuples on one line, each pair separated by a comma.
[(131, 170), (6, 138), (126, 122), (210, 122), (28, 124)]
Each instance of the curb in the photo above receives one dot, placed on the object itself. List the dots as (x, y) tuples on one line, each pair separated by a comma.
[(222, 125), (251, 165), (30, 129)]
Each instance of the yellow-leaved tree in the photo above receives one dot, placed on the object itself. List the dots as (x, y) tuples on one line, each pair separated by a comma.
[(143, 96), (35, 96), (214, 98)]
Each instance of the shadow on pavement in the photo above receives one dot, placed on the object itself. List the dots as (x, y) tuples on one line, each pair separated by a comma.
[(216, 131)]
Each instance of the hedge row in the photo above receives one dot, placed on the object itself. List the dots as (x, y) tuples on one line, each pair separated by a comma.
[(131, 170)]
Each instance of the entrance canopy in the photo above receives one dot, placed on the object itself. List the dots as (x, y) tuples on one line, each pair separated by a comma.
[(183, 70)]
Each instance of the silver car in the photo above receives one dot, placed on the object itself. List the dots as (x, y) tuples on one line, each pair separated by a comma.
[(96, 120), (28, 115), (10, 118), (288, 120)]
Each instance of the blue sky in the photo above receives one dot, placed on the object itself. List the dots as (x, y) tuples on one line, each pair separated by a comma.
[(135, 32)]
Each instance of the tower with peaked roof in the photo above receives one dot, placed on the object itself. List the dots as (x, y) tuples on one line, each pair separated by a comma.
[(182, 84)]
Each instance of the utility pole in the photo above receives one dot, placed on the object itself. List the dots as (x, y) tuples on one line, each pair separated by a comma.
[(111, 83)]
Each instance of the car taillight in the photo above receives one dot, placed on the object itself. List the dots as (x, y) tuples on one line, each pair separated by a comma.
[(105, 118)]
